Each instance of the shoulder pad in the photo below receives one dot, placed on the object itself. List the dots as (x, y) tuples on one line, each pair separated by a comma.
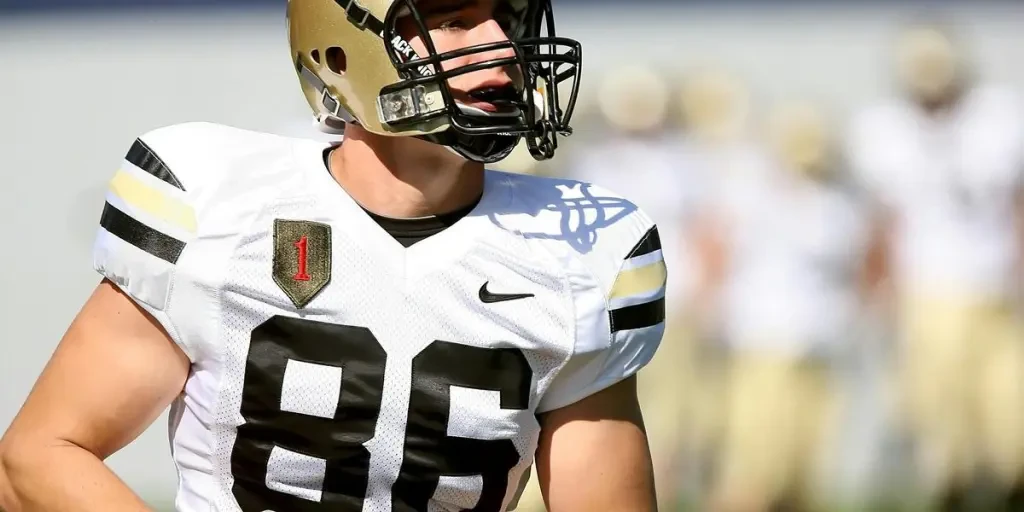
[(621, 299), (175, 187), (154, 205), (595, 225)]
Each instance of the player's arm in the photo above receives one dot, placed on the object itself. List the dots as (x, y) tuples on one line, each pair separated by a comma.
[(593, 455), (122, 361), (876, 261), (875, 268), (871, 183), (712, 255), (112, 374)]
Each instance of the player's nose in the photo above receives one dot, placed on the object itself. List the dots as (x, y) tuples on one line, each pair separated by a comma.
[(490, 32)]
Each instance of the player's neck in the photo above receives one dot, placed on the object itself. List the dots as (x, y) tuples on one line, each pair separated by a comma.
[(401, 177), (942, 105)]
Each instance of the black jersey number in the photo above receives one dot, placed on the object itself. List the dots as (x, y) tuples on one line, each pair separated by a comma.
[(339, 441)]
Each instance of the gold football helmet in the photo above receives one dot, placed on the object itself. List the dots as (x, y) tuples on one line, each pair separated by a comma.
[(635, 100), (355, 67), (715, 106), (801, 136), (930, 63)]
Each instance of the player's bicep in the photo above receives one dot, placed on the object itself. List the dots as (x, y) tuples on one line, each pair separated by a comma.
[(593, 455), (112, 374)]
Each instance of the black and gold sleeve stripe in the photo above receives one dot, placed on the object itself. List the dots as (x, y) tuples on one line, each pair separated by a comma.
[(649, 243), (637, 316), (141, 156), (140, 235), (637, 298), (150, 214)]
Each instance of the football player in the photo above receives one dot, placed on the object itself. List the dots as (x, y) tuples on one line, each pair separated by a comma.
[(792, 245), (720, 158), (373, 325), (945, 165)]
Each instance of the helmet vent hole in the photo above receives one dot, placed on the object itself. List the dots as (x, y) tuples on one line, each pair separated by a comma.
[(337, 62), (315, 56)]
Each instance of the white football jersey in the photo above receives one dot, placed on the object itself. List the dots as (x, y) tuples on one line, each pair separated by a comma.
[(951, 182), (795, 246), (334, 369)]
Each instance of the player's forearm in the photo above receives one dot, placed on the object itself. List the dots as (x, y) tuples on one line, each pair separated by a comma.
[(63, 477)]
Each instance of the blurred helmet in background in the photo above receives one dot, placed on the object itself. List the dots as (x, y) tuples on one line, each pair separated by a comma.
[(929, 64), (801, 138), (715, 106), (635, 100)]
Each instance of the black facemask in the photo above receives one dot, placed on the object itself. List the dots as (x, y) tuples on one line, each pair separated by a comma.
[(532, 112)]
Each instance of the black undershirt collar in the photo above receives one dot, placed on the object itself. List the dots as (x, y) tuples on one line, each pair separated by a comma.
[(409, 231)]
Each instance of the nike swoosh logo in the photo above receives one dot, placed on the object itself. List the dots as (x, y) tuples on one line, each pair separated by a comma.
[(488, 298)]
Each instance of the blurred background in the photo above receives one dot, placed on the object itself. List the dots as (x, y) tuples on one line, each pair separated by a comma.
[(837, 186)]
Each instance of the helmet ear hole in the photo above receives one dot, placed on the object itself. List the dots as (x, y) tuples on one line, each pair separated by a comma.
[(337, 61), (314, 55)]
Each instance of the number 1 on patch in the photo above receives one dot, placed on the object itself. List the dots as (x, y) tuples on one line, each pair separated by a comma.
[(302, 259), (301, 245)]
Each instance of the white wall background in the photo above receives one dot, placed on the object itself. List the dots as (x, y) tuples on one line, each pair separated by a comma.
[(76, 91)]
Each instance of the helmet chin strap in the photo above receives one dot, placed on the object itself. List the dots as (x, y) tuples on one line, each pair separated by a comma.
[(470, 147), (335, 125)]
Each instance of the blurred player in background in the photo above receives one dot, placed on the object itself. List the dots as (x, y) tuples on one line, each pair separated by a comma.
[(719, 156), (376, 324), (792, 242), (944, 164)]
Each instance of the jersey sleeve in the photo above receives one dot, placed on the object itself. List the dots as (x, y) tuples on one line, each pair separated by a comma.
[(148, 220), (620, 324)]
